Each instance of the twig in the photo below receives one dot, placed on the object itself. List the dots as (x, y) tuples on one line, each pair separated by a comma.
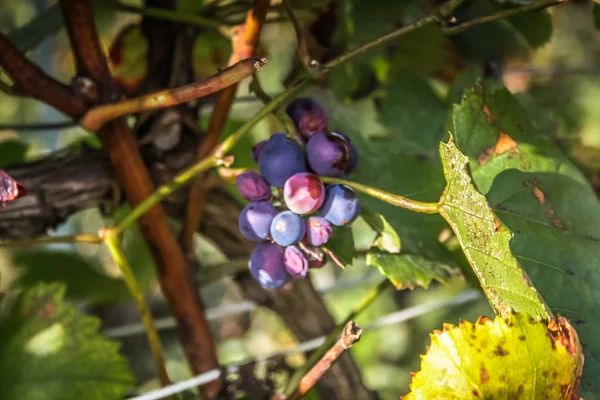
[(38, 127), (95, 118), (393, 199), (535, 6), (112, 239), (302, 44), (173, 271), (244, 45), (83, 238), (350, 335), (34, 82)]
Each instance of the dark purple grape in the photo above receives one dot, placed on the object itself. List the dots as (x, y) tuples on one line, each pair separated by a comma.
[(267, 267), (257, 149), (255, 220), (295, 262), (308, 116), (318, 231), (253, 187), (303, 193), (353, 156), (287, 228), (329, 154), (341, 205), (280, 159)]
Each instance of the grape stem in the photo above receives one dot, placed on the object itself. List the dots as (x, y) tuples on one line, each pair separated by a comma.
[(112, 240), (83, 238), (395, 200)]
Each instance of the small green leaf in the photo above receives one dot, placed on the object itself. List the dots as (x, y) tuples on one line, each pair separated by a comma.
[(485, 242), (408, 271), (341, 246), (82, 278), (49, 351), (44, 25), (387, 238), (518, 359), (12, 152)]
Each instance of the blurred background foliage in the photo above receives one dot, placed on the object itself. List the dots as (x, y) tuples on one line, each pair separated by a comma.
[(393, 101)]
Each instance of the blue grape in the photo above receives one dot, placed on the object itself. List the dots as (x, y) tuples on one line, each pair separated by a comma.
[(253, 187), (341, 205), (255, 220), (267, 267), (308, 116), (287, 228), (280, 159), (303, 193), (296, 264), (329, 154), (318, 231)]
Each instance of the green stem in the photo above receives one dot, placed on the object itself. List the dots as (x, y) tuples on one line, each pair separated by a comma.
[(333, 337), (112, 241), (84, 238), (395, 200)]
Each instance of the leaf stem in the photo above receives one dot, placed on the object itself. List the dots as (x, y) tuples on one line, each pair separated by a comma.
[(83, 238), (112, 240), (395, 200)]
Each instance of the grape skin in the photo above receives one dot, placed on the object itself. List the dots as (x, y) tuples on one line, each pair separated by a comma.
[(253, 187), (296, 264), (287, 228), (267, 267), (341, 205), (318, 231), (308, 116), (280, 159), (304, 193), (255, 220), (329, 154)]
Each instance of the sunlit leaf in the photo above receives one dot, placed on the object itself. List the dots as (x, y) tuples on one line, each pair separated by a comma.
[(50, 351), (387, 238), (517, 359)]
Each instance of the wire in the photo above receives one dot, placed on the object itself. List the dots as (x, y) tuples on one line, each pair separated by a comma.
[(390, 319)]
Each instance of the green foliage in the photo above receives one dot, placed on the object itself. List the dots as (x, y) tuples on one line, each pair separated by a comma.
[(42, 26), (341, 245), (12, 152), (48, 351), (516, 359), (548, 204), (387, 238), (408, 271)]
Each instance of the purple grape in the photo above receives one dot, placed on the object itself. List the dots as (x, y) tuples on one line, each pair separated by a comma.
[(341, 205), (267, 267), (315, 255), (255, 220), (287, 228), (353, 156), (295, 262), (308, 116), (303, 193), (280, 159), (318, 231), (257, 149), (253, 187), (329, 154)]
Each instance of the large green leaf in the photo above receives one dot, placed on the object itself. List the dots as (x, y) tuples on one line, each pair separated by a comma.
[(485, 242), (516, 359), (548, 204), (50, 351)]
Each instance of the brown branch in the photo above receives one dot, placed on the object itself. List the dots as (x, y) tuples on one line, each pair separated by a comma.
[(95, 118), (174, 274), (244, 45), (32, 81), (350, 335)]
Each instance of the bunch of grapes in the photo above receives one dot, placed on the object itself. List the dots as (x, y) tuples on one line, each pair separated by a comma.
[(291, 211)]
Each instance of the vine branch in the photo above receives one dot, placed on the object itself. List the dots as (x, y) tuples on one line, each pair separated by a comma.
[(82, 238)]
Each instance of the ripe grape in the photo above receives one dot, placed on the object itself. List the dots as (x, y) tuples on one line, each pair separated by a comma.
[(287, 228), (257, 149), (295, 262), (308, 116), (304, 193), (329, 154), (318, 231), (267, 266), (280, 159), (341, 205), (353, 156), (253, 187), (255, 220)]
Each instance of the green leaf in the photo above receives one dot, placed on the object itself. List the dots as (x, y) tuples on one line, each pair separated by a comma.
[(387, 238), (44, 25), (485, 242), (12, 152), (518, 359), (423, 51), (535, 28), (341, 245), (597, 15), (83, 279), (50, 351), (548, 204), (408, 271)]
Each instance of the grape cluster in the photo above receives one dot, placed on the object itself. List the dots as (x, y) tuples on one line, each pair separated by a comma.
[(291, 212)]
